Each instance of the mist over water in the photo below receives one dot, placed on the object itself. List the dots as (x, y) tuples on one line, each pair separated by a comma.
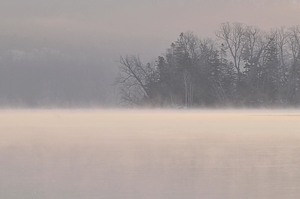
[(157, 154)]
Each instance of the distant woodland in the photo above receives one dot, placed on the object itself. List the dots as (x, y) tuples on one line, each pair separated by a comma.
[(242, 66), (48, 78)]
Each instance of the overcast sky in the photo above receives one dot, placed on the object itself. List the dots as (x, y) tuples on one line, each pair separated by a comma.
[(131, 26), (99, 31)]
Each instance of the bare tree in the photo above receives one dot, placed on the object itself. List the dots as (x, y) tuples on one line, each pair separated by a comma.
[(294, 41), (132, 80), (281, 38), (234, 38), (293, 84)]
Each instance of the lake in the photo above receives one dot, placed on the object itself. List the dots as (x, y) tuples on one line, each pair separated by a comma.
[(149, 154)]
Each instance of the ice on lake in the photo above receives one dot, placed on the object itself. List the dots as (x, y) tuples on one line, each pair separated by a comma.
[(151, 154)]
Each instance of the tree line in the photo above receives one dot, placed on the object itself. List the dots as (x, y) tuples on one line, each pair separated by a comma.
[(242, 66), (43, 78)]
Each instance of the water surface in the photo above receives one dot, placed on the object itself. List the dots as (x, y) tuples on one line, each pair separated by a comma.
[(70, 154)]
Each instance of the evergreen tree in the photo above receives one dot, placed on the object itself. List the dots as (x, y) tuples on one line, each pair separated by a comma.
[(270, 77)]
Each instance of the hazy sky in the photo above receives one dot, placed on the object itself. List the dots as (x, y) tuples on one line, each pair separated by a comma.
[(134, 26), (99, 31)]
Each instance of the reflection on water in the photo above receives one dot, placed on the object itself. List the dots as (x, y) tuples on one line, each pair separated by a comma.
[(149, 154)]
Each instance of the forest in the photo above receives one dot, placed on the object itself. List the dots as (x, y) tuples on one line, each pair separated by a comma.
[(243, 66), (48, 78)]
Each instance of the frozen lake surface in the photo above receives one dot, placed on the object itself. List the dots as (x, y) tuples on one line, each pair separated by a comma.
[(110, 154)]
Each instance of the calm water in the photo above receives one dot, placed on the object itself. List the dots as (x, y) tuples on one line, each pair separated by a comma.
[(54, 154)]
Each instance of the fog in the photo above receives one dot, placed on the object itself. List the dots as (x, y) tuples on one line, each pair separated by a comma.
[(149, 154), (66, 54), (93, 34)]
